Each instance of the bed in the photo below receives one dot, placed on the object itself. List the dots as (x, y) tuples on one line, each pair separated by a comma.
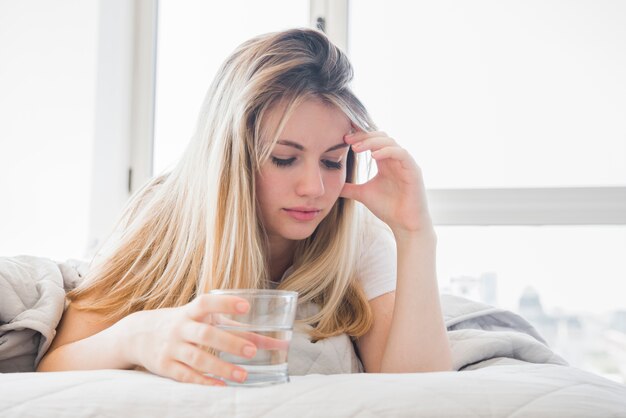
[(503, 368)]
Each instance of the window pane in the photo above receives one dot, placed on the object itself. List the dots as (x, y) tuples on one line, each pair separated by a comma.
[(577, 274), (498, 94), (195, 37), (47, 99)]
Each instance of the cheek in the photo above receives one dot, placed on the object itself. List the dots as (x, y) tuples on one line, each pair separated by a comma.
[(270, 186), (334, 182), (262, 192)]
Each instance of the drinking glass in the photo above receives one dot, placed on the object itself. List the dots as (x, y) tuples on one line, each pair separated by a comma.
[(268, 324)]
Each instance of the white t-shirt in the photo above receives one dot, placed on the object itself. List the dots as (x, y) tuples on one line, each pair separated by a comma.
[(377, 269)]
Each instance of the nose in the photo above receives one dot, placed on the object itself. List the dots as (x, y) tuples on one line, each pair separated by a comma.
[(310, 182)]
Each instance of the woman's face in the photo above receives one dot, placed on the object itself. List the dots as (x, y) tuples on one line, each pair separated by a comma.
[(301, 181)]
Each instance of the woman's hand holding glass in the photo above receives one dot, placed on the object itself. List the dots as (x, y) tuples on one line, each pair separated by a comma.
[(396, 194), (172, 342)]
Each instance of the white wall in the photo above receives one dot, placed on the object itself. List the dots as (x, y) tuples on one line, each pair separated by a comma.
[(47, 97)]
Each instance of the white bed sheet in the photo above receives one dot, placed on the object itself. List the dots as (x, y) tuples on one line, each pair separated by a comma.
[(510, 388)]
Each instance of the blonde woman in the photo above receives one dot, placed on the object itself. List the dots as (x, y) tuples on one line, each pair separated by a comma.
[(265, 196)]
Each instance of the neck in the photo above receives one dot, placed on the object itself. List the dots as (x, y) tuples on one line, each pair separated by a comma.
[(280, 257)]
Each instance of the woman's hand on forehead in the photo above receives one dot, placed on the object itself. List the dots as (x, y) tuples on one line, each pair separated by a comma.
[(396, 194)]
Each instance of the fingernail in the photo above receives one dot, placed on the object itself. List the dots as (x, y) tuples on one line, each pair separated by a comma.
[(241, 306), (249, 351), (239, 375)]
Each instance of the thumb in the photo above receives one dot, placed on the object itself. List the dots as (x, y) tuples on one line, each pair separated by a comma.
[(351, 191)]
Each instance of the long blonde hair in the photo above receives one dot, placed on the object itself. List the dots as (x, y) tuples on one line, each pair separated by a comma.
[(197, 227)]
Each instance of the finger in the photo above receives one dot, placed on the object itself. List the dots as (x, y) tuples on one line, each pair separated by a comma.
[(262, 341), (183, 373), (351, 191), (373, 144), (202, 361), (395, 153), (225, 320), (356, 128), (359, 135), (206, 304), (211, 336)]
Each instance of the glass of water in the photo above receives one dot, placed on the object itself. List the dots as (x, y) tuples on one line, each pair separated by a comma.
[(268, 324)]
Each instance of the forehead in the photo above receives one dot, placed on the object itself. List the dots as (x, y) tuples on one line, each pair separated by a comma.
[(310, 123)]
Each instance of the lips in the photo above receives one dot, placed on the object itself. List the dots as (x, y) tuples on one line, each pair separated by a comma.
[(303, 213)]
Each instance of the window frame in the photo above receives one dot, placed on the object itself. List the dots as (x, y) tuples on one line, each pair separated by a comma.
[(124, 120)]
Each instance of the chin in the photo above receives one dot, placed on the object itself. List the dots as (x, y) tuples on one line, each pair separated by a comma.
[(298, 234)]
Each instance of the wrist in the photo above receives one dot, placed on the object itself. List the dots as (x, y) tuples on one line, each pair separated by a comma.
[(424, 236), (124, 335)]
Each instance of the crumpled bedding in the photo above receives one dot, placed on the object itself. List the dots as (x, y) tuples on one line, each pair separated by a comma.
[(477, 332), (32, 299), (32, 294)]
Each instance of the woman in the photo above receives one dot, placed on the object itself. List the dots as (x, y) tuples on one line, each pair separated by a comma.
[(264, 196)]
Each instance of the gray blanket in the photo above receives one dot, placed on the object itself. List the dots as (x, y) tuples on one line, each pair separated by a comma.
[(32, 298), (479, 334)]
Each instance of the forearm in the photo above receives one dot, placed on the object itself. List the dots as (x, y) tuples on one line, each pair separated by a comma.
[(417, 340), (104, 350)]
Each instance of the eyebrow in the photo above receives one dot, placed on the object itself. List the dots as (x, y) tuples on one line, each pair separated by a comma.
[(301, 148)]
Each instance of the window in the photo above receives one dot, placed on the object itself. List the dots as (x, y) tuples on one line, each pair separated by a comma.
[(568, 281), (513, 95), (498, 94)]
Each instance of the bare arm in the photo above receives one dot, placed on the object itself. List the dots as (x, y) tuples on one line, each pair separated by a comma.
[(417, 341), (85, 342), (170, 342), (408, 334), (413, 338)]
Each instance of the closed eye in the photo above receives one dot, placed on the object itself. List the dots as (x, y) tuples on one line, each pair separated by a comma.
[(335, 165), (286, 162), (283, 162)]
